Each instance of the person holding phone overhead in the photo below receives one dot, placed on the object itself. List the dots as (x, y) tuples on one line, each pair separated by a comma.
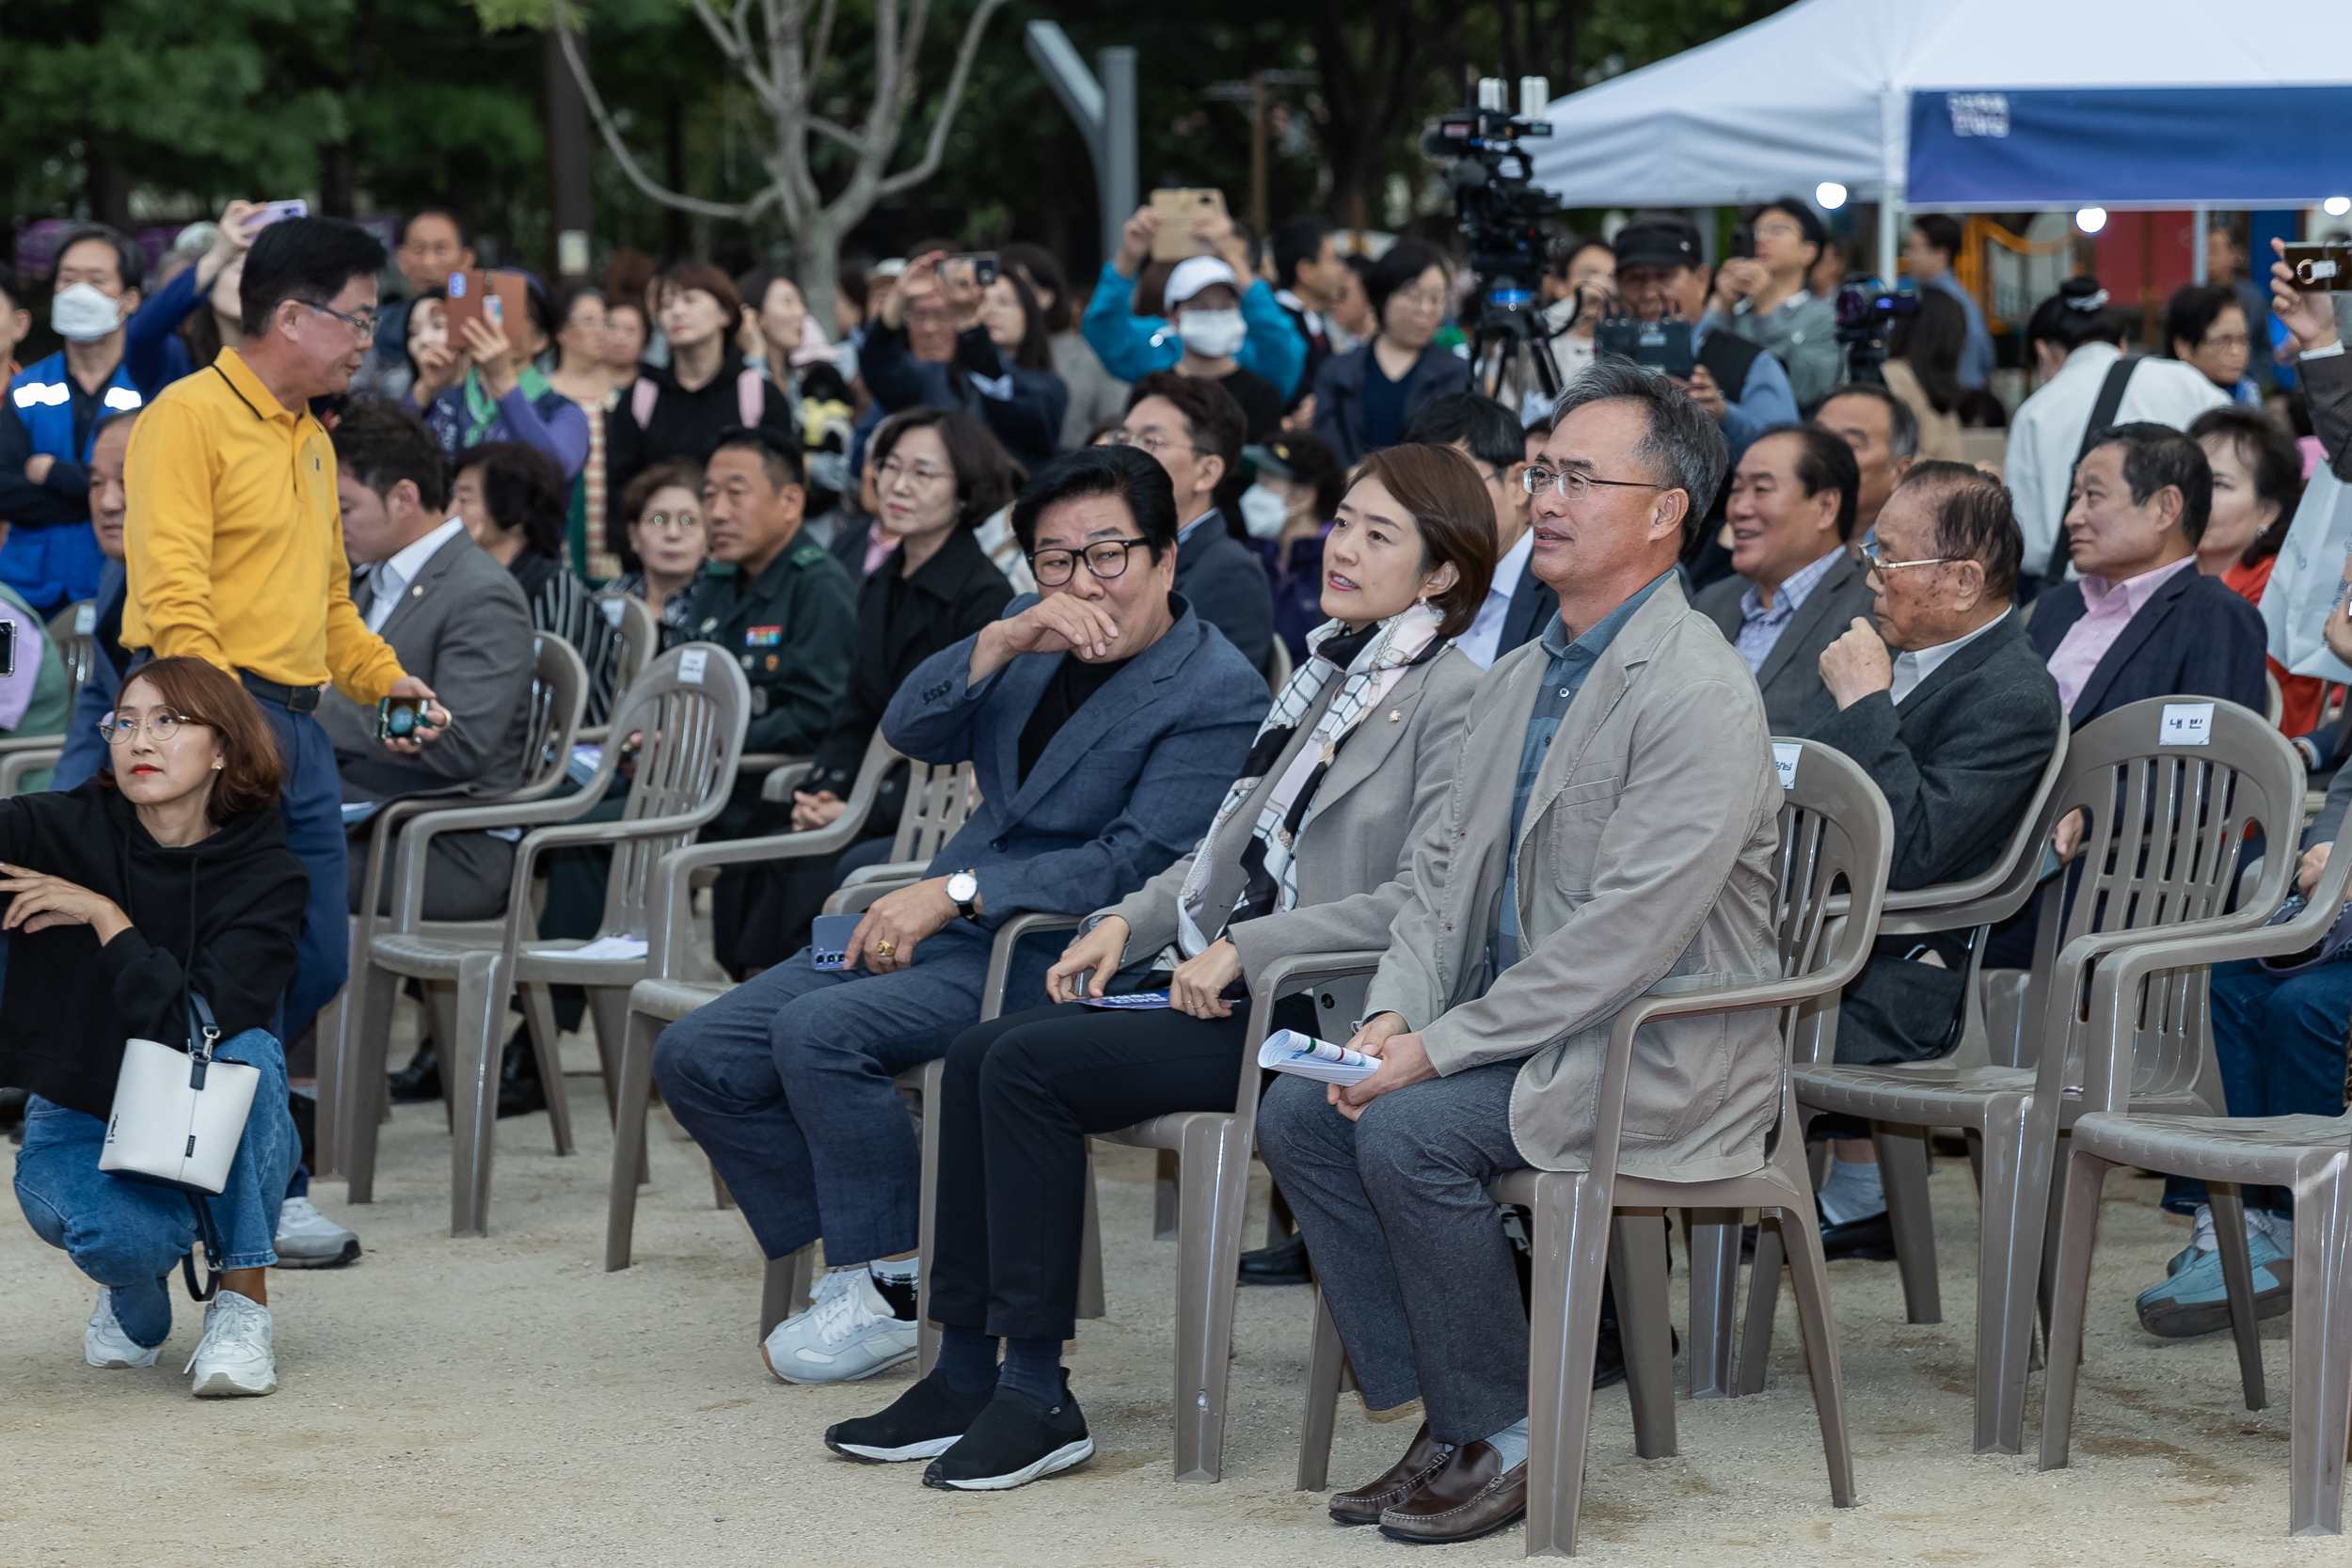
[(1132, 346), (1002, 368), (486, 386)]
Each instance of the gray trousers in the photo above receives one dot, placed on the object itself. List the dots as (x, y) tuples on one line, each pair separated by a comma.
[(1417, 1272)]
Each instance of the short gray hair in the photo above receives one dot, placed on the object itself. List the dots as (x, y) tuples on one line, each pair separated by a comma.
[(1683, 445), (1902, 425)]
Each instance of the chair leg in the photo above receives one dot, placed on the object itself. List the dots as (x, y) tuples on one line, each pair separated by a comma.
[(363, 1085), (1637, 1266), (2237, 1277), (1755, 1337), (927, 1218), (2320, 1402), (1714, 1238), (1090, 1303), (1572, 1227), (1902, 1153), (1324, 1355), (1808, 1273), (469, 1081), (775, 1293), (1214, 1163), (606, 1005), (1166, 1186), (440, 1014), (720, 1196), (803, 1282), (539, 1022), (2078, 1238), (628, 1138), (2020, 1139)]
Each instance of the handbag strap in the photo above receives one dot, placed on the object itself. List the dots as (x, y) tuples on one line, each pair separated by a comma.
[(2102, 415), (208, 1235)]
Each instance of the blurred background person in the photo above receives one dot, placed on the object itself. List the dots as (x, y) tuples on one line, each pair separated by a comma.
[(1364, 397), (2205, 327), (1287, 509), (1308, 277), (1095, 394), (1930, 251), (1251, 330), (512, 501), (1884, 435), (1922, 368), (2257, 485), (83, 750), (999, 369), (680, 408), (191, 316), (435, 243), (582, 330), (663, 549), (625, 335), (1352, 319), (491, 389), (1584, 270), (1766, 299)]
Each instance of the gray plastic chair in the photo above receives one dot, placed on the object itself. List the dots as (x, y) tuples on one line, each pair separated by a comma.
[(637, 643), (73, 630), (16, 765), (1834, 825), (2167, 826), (2309, 1154), (559, 693), (689, 707), (1978, 903), (938, 799)]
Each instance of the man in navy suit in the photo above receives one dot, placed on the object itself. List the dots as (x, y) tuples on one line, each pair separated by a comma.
[(1104, 721)]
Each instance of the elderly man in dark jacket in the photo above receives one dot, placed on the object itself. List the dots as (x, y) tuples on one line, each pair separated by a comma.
[(1104, 721), (1949, 708)]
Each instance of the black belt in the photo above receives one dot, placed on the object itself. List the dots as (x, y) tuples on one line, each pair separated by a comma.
[(293, 698)]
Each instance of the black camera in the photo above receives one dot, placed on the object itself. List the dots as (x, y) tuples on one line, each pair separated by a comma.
[(1499, 211), (1863, 312), (8, 648), (1661, 345)]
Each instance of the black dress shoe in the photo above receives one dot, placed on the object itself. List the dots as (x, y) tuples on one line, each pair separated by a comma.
[(1870, 1238), (421, 1080), (519, 1089), (1283, 1263)]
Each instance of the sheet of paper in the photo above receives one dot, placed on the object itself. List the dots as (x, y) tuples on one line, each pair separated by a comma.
[(602, 950), (1326, 1061)]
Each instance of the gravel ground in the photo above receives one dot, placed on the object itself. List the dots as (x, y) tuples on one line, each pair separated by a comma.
[(505, 1400)]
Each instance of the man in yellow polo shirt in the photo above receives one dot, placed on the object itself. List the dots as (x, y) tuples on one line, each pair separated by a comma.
[(235, 549)]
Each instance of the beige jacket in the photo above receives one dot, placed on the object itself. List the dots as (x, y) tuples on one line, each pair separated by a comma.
[(1383, 795), (1644, 866)]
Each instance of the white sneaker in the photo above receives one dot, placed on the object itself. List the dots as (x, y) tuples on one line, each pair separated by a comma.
[(309, 1240), (234, 1357), (104, 1345), (848, 1333)]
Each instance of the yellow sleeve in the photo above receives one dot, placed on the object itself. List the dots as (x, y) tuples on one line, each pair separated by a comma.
[(168, 535), (363, 664)]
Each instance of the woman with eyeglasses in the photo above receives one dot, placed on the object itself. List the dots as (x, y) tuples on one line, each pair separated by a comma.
[(486, 386), (663, 549), (938, 475), (1365, 397), (166, 875), (1350, 770)]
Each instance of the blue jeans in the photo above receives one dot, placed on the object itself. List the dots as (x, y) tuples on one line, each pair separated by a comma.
[(313, 800), (2278, 1042), (129, 1235), (785, 1083)]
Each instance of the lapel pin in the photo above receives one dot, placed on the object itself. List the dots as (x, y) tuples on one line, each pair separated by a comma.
[(1396, 715)]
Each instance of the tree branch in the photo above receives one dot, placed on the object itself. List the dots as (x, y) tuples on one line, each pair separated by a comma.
[(938, 143), (742, 211), (841, 134), (737, 46), (824, 42)]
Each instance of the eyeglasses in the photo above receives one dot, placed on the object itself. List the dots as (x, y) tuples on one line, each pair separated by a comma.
[(915, 473), (671, 522), (119, 729), (1574, 486), (362, 327), (1151, 441), (1420, 299), (1874, 559), (1106, 560)]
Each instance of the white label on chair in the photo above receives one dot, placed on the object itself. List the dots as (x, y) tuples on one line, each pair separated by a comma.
[(1785, 755), (691, 662), (85, 618), (2186, 725), (613, 609)]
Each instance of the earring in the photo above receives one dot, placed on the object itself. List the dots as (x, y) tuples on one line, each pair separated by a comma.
[(217, 765)]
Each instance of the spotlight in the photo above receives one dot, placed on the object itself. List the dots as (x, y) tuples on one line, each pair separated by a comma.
[(2091, 219), (2336, 206), (1830, 195)]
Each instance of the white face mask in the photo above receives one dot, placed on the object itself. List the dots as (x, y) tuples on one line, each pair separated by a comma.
[(1212, 334), (82, 315), (1264, 513)]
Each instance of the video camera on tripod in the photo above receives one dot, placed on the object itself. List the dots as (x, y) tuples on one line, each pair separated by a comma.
[(1865, 311), (1502, 216)]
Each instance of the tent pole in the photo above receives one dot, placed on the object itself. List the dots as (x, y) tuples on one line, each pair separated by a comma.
[(1891, 226), (2201, 273)]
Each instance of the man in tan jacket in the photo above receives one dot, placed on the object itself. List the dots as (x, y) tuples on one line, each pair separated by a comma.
[(1610, 833)]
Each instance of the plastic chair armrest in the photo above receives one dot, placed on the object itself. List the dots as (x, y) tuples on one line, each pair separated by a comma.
[(1009, 936)]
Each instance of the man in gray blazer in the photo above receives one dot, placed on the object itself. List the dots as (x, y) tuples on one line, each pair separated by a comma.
[(1947, 707), (1792, 511), (460, 624), (1630, 853)]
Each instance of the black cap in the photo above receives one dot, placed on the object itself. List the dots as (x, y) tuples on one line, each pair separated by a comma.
[(1659, 243)]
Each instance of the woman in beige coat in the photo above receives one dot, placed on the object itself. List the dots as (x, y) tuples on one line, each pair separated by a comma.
[(1352, 766)]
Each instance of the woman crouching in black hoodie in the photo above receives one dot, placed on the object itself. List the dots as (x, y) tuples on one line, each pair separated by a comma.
[(167, 873)]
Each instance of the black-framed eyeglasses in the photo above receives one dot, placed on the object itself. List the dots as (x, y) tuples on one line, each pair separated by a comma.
[(1574, 485), (1150, 441), (363, 326), (1106, 560)]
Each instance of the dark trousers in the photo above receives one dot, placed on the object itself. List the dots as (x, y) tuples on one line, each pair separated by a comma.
[(2279, 1041), (313, 800), (1022, 1093)]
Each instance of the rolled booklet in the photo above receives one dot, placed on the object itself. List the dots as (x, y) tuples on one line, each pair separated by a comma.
[(1288, 1051)]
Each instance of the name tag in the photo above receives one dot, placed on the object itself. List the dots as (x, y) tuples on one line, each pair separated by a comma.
[(85, 618), (613, 609), (1785, 755), (2186, 725), (690, 663)]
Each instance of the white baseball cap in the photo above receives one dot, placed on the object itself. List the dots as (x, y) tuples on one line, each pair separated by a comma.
[(1194, 273)]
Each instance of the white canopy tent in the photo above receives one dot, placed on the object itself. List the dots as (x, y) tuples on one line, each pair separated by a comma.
[(1821, 91)]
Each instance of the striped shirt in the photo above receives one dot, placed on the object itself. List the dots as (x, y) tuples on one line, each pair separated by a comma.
[(1760, 629)]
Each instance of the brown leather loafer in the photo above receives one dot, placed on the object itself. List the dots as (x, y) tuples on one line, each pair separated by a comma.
[(1471, 1496), (1364, 1505)]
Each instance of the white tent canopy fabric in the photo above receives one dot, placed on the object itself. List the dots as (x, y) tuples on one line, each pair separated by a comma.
[(1821, 90)]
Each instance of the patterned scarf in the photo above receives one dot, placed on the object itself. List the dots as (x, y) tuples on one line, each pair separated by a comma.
[(1272, 886)]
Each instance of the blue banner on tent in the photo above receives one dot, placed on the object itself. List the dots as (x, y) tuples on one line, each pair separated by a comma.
[(2182, 147)]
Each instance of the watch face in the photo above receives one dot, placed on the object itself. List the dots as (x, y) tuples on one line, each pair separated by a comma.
[(963, 886)]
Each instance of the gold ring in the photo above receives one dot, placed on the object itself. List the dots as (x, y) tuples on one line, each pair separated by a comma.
[(887, 948)]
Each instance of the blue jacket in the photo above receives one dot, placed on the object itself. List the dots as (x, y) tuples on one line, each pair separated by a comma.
[(1224, 578), (2194, 639), (1121, 791), (152, 349), (83, 750), (1340, 395), (1132, 347), (50, 566), (1023, 408)]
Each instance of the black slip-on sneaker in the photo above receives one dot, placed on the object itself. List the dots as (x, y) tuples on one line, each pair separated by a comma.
[(1012, 1444), (922, 1423)]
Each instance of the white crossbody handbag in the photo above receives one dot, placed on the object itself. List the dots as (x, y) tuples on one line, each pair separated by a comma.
[(179, 1115)]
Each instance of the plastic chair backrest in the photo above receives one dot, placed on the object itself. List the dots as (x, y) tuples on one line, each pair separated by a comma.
[(938, 799), (689, 708), (72, 631), (636, 639), (2275, 702), (2169, 816), (559, 695), (2001, 889)]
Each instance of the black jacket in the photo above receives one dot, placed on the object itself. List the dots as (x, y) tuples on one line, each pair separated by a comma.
[(683, 423), (1225, 579), (70, 1003), (1024, 412), (900, 623), (1340, 394), (2194, 638)]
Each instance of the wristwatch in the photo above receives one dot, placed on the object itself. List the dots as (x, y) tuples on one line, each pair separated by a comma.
[(964, 888)]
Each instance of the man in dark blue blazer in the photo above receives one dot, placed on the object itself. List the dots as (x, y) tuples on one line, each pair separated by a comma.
[(1194, 428), (1104, 721)]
